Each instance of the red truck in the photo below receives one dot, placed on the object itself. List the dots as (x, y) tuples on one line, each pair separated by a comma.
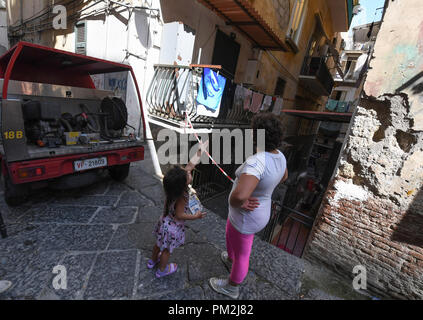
[(57, 128)]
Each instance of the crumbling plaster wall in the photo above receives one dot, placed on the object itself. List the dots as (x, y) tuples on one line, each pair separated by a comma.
[(383, 151), (372, 213)]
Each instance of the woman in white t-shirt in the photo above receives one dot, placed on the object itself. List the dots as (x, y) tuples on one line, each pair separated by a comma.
[(250, 202)]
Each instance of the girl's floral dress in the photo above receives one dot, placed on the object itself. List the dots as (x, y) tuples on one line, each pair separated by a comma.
[(169, 231)]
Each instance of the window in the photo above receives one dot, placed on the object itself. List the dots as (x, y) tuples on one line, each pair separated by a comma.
[(280, 87), (81, 38), (226, 53), (349, 68), (296, 23)]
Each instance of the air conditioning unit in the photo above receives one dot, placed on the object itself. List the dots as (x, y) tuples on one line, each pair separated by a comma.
[(251, 72), (177, 44)]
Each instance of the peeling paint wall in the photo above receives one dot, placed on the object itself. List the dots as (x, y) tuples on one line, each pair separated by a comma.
[(372, 213), (399, 65)]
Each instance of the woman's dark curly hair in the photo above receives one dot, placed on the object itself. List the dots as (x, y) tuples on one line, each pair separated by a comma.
[(175, 186), (273, 129)]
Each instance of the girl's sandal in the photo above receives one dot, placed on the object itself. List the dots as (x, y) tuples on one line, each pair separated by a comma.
[(169, 269), (151, 264)]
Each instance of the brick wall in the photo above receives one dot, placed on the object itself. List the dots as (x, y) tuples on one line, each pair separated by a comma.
[(372, 213), (374, 233)]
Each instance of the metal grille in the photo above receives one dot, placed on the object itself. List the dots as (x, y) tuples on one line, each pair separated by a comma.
[(287, 229), (209, 182), (173, 91)]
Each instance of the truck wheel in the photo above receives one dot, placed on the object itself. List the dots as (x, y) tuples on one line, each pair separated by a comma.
[(14, 194), (119, 173)]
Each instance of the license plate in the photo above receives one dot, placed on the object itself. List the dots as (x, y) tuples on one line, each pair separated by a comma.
[(90, 163)]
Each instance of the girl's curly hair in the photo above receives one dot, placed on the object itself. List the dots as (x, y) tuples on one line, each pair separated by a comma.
[(175, 186), (273, 129)]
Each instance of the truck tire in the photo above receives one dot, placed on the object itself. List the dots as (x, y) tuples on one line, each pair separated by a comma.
[(14, 194), (119, 173)]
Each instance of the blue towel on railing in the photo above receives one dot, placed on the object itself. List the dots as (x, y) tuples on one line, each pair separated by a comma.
[(211, 89), (342, 106), (332, 105)]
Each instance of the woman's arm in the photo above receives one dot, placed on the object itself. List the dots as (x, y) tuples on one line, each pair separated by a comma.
[(285, 176), (180, 212), (197, 157), (242, 194)]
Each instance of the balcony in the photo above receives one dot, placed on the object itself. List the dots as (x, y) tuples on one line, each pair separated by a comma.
[(316, 77), (172, 95), (339, 106)]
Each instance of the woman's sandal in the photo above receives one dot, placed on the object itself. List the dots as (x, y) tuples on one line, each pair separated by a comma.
[(151, 264), (169, 269)]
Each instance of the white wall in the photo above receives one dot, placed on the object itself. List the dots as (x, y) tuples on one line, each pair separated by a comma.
[(4, 41), (140, 36)]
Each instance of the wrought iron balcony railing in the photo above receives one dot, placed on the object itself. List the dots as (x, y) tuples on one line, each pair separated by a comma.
[(315, 75), (173, 91)]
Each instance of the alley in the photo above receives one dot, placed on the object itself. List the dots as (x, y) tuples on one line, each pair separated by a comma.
[(102, 235)]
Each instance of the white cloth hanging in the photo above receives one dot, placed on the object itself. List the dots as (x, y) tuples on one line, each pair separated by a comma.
[(278, 106), (267, 102)]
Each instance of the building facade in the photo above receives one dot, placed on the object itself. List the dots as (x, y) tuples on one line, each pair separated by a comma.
[(372, 212)]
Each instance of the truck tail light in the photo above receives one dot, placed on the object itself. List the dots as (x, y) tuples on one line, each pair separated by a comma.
[(135, 155), (31, 172)]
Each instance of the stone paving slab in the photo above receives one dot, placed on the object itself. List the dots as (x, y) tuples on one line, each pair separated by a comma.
[(96, 189), (134, 199), (149, 214), (93, 201), (192, 293), (77, 267), (112, 276), (103, 235), (151, 287), (29, 272), (119, 215), (25, 238), (139, 179), (154, 193), (60, 214), (133, 236), (116, 188), (212, 227), (276, 266), (79, 238), (208, 266)]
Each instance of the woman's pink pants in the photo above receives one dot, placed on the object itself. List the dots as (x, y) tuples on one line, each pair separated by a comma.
[(239, 249)]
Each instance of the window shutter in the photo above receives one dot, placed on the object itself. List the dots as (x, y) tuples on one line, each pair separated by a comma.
[(81, 38)]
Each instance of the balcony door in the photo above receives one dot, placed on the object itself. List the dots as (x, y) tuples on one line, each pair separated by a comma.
[(226, 53)]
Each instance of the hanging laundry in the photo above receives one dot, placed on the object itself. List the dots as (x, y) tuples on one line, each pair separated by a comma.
[(256, 102), (277, 106), (247, 98), (342, 106), (239, 98), (230, 93), (227, 99), (332, 104), (202, 110), (211, 90), (267, 102), (272, 106)]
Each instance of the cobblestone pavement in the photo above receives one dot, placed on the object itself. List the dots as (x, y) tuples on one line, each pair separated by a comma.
[(102, 234)]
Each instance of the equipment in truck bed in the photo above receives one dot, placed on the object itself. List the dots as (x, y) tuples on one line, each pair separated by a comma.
[(55, 123)]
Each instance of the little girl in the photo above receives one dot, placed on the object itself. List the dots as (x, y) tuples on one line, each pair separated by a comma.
[(170, 230)]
